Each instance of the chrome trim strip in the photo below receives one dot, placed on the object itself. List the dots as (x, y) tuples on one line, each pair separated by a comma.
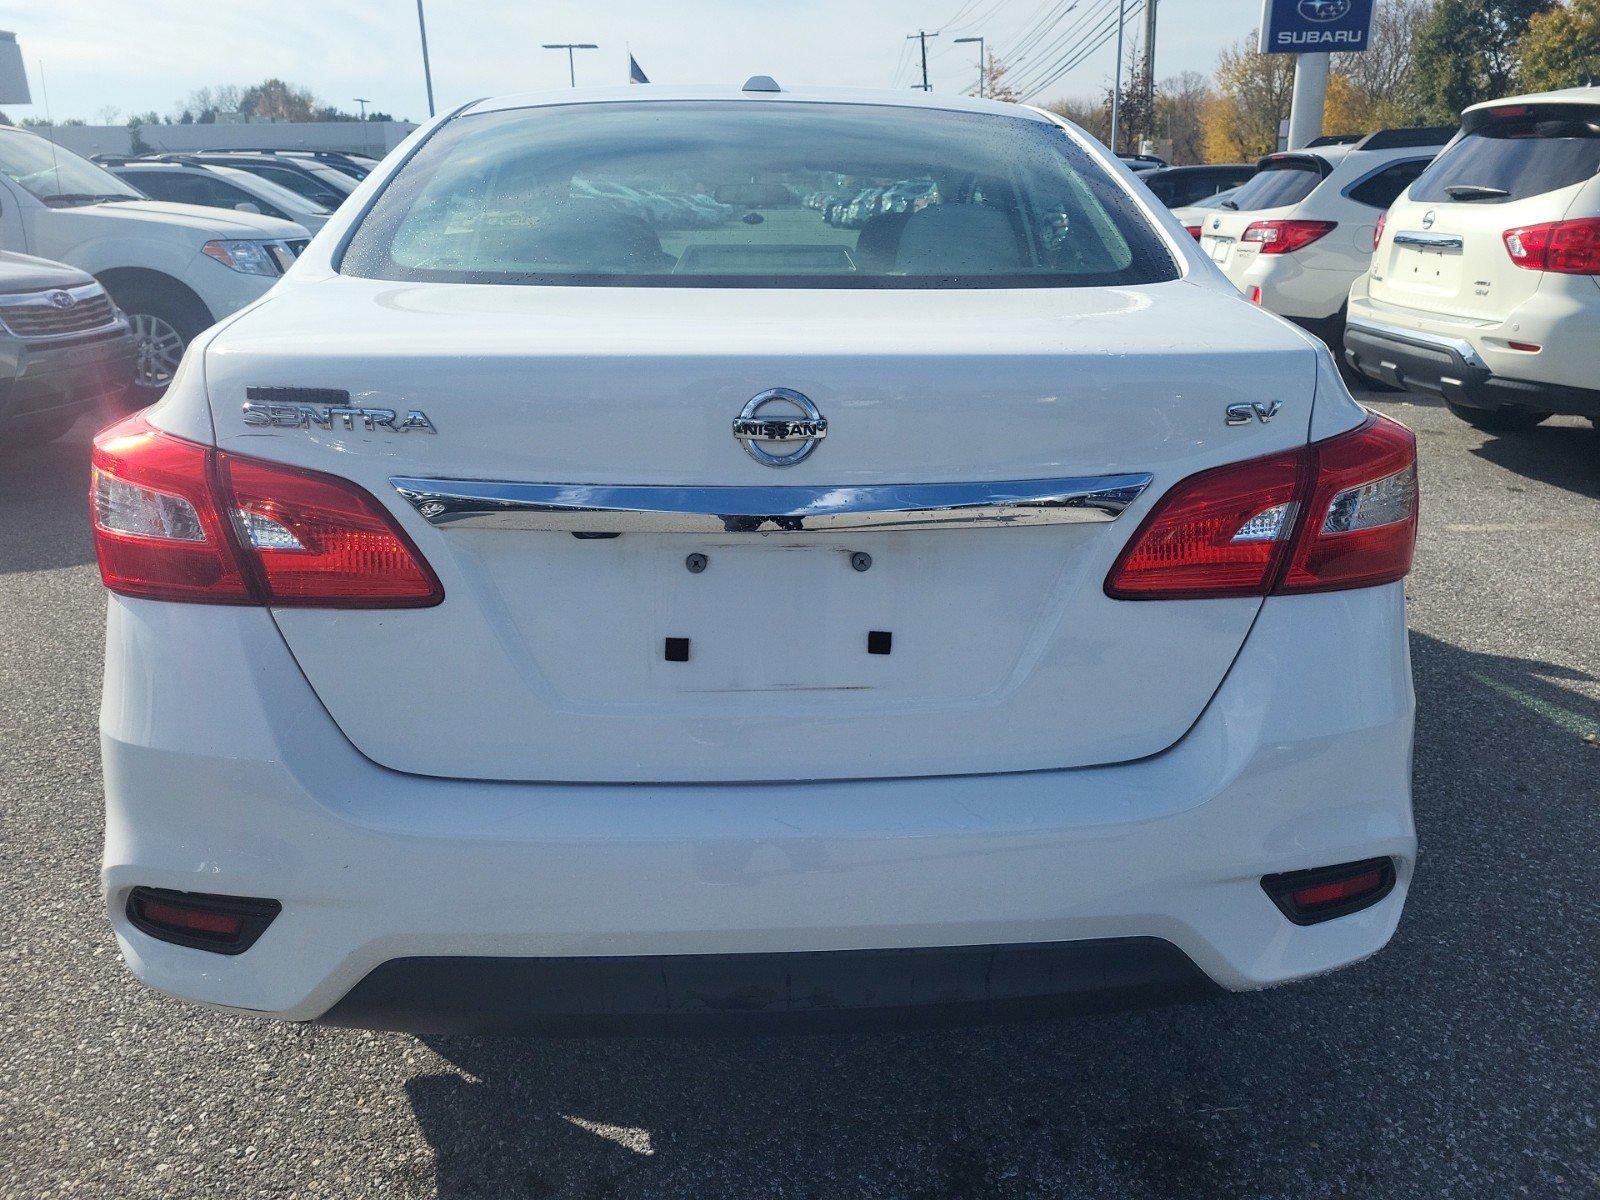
[(1432, 241), (1415, 337), (39, 297), (600, 508)]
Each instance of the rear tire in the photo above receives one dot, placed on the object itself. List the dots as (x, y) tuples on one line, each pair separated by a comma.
[(1497, 420), (165, 319)]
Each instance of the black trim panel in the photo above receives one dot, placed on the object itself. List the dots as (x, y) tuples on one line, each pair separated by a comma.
[(781, 991), (1422, 366)]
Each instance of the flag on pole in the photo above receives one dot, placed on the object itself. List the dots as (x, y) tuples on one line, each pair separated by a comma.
[(635, 71)]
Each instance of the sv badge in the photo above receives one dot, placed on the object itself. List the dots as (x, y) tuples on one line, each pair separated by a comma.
[(1243, 414)]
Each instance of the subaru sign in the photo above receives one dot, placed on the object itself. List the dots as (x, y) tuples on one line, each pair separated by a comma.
[(1314, 26)]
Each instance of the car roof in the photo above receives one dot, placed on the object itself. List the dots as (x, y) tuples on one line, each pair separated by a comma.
[(1572, 95), (813, 95), (1196, 168)]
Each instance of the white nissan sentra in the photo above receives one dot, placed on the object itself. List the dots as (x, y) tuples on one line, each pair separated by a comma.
[(592, 590)]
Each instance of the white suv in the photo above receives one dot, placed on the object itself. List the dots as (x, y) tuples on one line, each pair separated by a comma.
[(1299, 232), (535, 616), (1485, 288), (173, 268)]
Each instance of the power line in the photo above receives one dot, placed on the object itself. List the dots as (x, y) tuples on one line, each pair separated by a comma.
[(1040, 26), (1063, 45), (1105, 33)]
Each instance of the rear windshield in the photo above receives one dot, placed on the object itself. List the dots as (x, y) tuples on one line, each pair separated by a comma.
[(1278, 185), (1182, 188), (1531, 150), (755, 194)]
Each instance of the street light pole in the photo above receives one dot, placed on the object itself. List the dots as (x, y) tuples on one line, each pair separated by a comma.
[(363, 101), (982, 59), (569, 47), (1116, 85), (427, 72)]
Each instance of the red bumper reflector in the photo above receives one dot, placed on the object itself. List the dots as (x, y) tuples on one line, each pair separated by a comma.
[(1320, 894), (222, 924)]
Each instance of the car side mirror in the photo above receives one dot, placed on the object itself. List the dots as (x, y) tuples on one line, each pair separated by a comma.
[(248, 206)]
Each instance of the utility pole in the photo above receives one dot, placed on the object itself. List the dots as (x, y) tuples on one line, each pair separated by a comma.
[(569, 47), (1150, 39), (1116, 86), (363, 101), (427, 73), (982, 60), (923, 36)]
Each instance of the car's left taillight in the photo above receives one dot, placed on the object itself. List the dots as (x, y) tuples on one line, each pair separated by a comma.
[(1340, 513), (175, 520), (1286, 236)]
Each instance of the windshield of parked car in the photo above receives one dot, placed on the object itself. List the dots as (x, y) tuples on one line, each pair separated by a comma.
[(1513, 153), (755, 194), (1278, 185), (57, 176)]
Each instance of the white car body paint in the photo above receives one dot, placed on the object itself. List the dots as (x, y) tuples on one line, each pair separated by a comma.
[(515, 773)]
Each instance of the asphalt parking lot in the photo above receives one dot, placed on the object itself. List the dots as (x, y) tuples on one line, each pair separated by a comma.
[(1463, 1061)]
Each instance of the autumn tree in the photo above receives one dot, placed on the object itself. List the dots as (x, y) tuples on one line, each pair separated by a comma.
[(1240, 121), (1380, 94), (275, 100), (995, 86), (1561, 48), (1466, 51), (1089, 115), (1136, 119)]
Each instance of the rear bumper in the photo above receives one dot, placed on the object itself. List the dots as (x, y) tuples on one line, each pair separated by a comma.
[(1452, 368), (685, 993), (1301, 760), (46, 382)]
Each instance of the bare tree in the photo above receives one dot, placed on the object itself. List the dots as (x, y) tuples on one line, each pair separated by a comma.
[(1382, 74), (1180, 116)]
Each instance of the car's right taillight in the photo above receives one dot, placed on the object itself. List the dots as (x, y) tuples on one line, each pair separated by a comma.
[(1565, 247), (175, 520), (1340, 513)]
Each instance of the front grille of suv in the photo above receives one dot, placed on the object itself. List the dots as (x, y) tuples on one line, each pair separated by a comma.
[(43, 314)]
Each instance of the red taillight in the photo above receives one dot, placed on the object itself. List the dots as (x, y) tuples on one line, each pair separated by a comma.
[(174, 520), (1335, 514), (1193, 231), (1566, 247), (1377, 230), (1285, 237)]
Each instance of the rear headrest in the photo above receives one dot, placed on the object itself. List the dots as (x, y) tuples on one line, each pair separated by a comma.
[(958, 239)]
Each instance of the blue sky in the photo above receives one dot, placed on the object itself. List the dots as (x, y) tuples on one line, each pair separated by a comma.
[(135, 55)]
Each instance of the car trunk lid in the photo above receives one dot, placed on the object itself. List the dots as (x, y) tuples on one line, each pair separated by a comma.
[(807, 651)]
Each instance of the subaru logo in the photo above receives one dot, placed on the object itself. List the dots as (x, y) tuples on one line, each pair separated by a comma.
[(61, 299), (780, 417), (1323, 10)]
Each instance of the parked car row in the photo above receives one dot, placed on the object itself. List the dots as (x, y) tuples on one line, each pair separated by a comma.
[(854, 210), (1463, 263), (137, 278)]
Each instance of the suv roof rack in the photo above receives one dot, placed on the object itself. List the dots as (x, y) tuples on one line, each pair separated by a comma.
[(1334, 139), (1399, 139)]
